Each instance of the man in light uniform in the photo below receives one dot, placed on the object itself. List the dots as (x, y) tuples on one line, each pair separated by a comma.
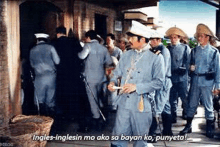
[(205, 71), (43, 58), (113, 50), (96, 58), (179, 68), (162, 95), (142, 72)]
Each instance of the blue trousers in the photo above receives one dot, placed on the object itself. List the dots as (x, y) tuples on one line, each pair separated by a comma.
[(45, 86), (96, 89), (205, 94), (179, 89), (162, 101), (131, 123)]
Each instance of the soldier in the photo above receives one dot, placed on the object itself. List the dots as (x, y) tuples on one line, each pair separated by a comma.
[(162, 95), (113, 50), (205, 71), (179, 68), (142, 72), (68, 73), (43, 58), (96, 58)]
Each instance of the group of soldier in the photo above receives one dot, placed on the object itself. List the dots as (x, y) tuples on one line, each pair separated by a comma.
[(145, 83)]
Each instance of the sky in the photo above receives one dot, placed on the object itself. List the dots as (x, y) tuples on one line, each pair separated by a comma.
[(186, 15)]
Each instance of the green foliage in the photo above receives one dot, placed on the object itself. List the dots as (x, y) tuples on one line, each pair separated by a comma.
[(165, 42), (192, 43)]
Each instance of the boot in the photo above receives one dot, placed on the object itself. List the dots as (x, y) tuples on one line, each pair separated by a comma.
[(188, 127), (97, 124), (42, 109), (167, 124), (173, 117), (153, 127), (210, 128), (152, 131), (184, 116)]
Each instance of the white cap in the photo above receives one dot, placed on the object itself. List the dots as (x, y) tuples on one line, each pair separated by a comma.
[(156, 34), (41, 35), (139, 29)]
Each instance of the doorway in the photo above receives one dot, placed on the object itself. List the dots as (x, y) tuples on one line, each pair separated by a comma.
[(100, 25)]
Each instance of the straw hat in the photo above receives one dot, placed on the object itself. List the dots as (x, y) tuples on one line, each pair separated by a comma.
[(203, 29), (139, 29), (176, 31)]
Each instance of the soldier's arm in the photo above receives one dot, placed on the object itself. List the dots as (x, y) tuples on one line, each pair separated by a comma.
[(217, 69), (85, 52), (158, 77), (188, 51), (55, 56), (118, 71), (108, 59)]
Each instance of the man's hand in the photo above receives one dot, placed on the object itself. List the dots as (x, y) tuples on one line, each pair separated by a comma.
[(110, 86), (128, 88), (216, 92)]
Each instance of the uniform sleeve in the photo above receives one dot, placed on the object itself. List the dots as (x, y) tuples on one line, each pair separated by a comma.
[(158, 77), (167, 62), (120, 53), (217, 69), (108, 59), (188, 51), (85, 52), (31, 61), (117, 73), (55, 56)]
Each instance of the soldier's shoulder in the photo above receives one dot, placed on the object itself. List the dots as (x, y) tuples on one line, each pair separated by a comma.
[(184, 45), (128, 53), (155, 51), (214, 48)]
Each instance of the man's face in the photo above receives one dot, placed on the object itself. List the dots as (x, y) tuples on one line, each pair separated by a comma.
[(109, 41), (122, 45), (135, 43), (155, 42), (203, 39), (87, 39), (174, 39)]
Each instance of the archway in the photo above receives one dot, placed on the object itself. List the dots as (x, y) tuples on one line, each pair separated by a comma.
[(35, 17)]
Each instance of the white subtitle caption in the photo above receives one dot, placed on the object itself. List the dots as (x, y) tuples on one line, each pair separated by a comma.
[(77, 137)]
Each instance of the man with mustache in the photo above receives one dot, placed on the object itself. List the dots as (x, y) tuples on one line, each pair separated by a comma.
[(142, 72)]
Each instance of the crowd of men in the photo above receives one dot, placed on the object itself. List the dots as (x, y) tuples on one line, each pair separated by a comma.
[(143, 78)]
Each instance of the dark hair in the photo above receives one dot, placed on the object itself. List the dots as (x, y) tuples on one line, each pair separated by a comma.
[(61, 30), (43, 39), (111, 35), (139, 37), (91, 34)]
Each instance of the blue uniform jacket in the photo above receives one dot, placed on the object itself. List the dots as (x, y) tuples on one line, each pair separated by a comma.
[(203, 60), (96, 58), (148, 75), (177, 54), (43, 58)]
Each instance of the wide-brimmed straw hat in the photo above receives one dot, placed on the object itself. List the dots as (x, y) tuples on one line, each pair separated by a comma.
[(176, 31), (204, 29)]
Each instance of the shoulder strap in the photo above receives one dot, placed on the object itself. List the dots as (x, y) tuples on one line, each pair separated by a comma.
[(212, 62), (155, 51), (192, 60), (184, 57)]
